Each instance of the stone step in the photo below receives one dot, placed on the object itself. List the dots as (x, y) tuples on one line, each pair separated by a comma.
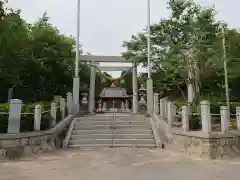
[(111, 136), (112, 141), (94, 117), (109, 131), (120, 126), (112, 123), (111, 119), (111, 145), (131, 119)]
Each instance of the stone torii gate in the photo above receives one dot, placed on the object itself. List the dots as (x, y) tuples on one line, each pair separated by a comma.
[(93, 60)]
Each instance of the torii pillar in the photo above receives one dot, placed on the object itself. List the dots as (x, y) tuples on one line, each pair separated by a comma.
[(91, 99), (135, 89)]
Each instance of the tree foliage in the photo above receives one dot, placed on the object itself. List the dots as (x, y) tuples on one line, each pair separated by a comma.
[(186, 48), (36, 60)]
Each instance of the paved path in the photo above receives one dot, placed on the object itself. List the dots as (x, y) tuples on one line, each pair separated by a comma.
[(118, 164)]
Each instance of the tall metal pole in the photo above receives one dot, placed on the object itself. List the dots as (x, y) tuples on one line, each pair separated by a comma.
[(76, 80), (149, 80), (77, 40), (225, 68), (148, 38)]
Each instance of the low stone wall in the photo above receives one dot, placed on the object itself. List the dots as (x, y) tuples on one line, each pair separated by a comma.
[(14, 146), (206, 146)]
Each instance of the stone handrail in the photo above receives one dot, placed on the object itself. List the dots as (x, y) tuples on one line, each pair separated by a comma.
[(162, 128), (67, 138), (156, 132), (32, 143), (54, 131)]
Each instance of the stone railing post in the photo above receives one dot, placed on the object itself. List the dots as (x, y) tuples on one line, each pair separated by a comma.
[(56, 99), (14, 116), (185, 118), (171, 113), (224, 118), (69, 102), (238, 117), (37, 117), (156, 103), (206, 116), (162, 109), (62, 107), (53, 114), (174, 112), (166, 107)]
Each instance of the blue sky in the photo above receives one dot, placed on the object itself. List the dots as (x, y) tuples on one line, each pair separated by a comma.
[(105, 24)]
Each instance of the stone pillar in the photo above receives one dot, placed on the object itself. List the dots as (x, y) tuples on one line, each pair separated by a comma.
[(170, 113), (127, 105), (238, 117), (56, 98), (69, 102), (91, 99), (162, 109), (190, 93), (170, 116), (37, 117), (224, 118), (174, 112), (150, 96), (190, 90), (63, 107), (122, 106), (135, 89), (53, 113), (156, 103), (165, 102), (185, 119), (206, 116), (14, 116), (99, 109), (104, 107), (76, 86)]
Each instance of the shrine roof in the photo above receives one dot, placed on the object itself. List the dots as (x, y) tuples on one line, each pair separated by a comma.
[(114, 92)]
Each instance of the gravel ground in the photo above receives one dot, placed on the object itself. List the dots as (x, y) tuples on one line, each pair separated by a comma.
[(118, 164)]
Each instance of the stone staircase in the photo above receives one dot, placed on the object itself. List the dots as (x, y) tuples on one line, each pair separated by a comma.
[(112, 131)]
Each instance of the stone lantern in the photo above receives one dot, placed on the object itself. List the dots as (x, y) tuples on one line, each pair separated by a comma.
[(84, 102), (99, 108), (84, 99), (142, 102)]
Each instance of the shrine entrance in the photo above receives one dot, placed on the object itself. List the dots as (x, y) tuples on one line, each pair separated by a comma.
[(112, 99)]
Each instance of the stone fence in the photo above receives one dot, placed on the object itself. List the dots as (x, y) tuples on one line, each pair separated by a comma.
[(204, 143), (15, 144)]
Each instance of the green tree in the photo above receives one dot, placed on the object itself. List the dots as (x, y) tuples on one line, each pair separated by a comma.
[(36, 59), (186, 49)]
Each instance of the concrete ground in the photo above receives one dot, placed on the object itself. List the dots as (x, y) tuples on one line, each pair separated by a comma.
[(118, 164)]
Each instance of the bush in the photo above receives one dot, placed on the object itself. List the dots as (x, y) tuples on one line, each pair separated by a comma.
[(179, 103), (4, 107), (195, 123), (3, 123), (233, 124)]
